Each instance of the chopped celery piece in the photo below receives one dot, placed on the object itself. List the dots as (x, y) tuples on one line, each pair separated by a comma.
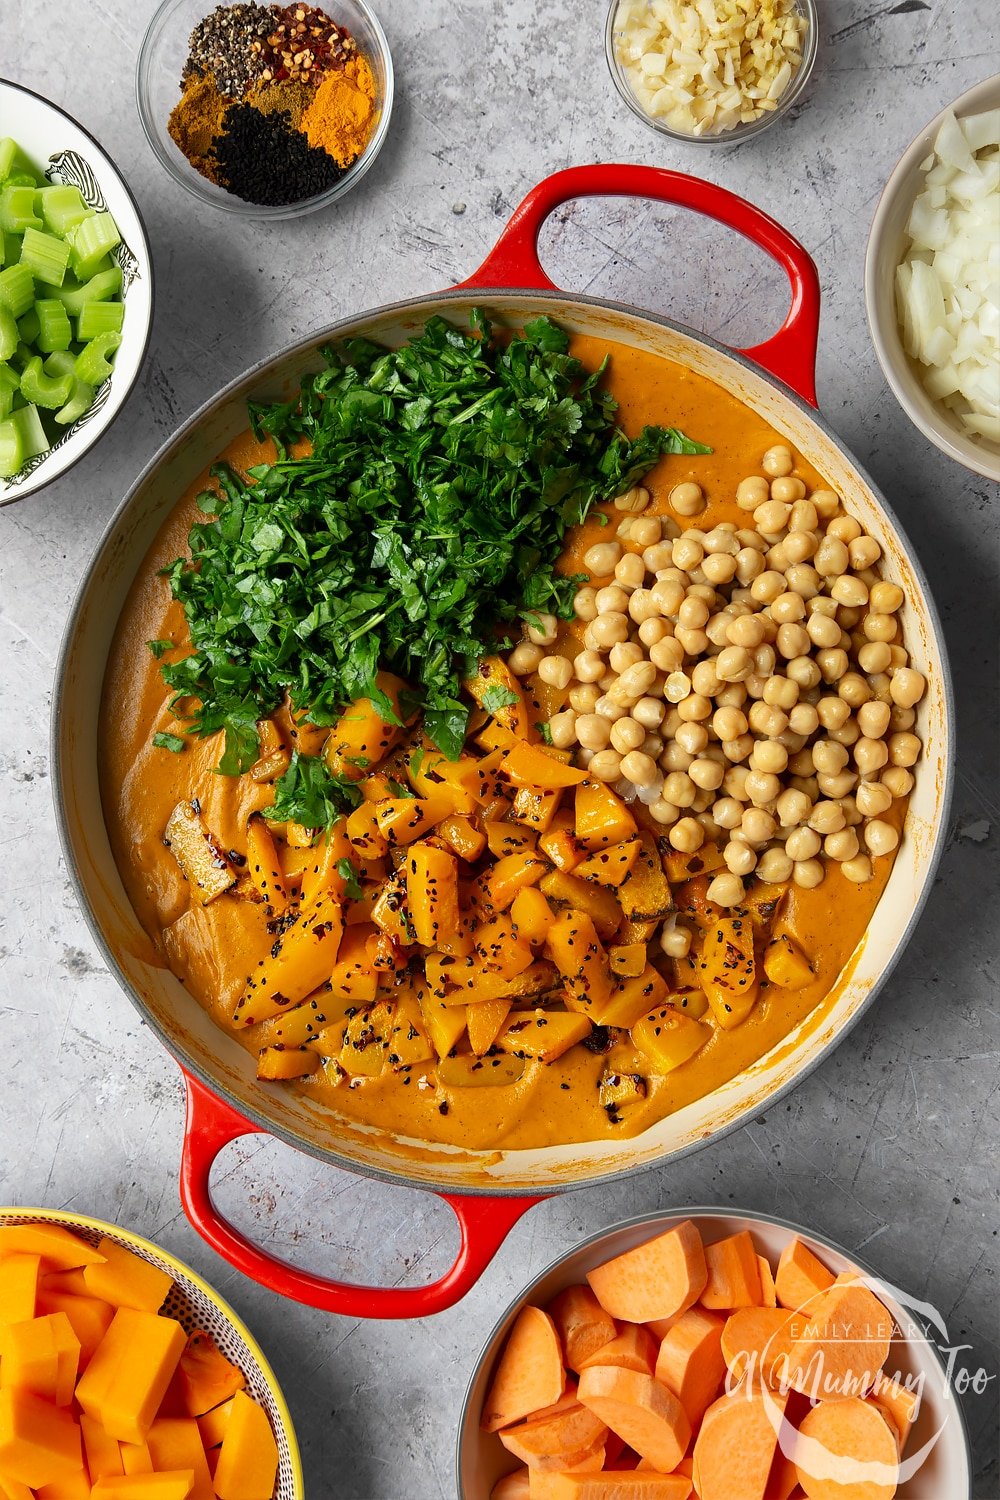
[(22, 436), (11, 249), (98, 289), (8, 332), (54, 331), (99, 317), (92, 364), (45, 256), (60, 362), (63, 208), (28, 327), (80, 401), (91, 241), (49, 391), (25, 178), (17, 290), (10, 385), (12, 158), (17, 210)]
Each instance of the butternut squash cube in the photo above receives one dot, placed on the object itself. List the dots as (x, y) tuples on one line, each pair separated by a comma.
[(536, 808), (126, 1280), (73, 1487), (41, 1356), (483, 1021), (444, 1023), (175, 1443), (467, 1071), (628, 960), (361, 736), (354, 977), (618, 1091), (545, 1034), (632, 998), (103, 1454), (279, 1064), (727, 972), (264, 866), (60, 1250), (600, 904), (669, 1037), (495, 688), (500, 950), (299, 962), (205, 1376), (176, 1485), (503, 839), (403, 819), (212, 1426), (602, 819), (785, 964), (560, 844), (201, 859), (645, 894), (609, 866), (531, 765), (578, 954), (89, 1317), (39, 1442), (513, 873), (129, 1372), (409, 1042), (248, 1458), (363, 831), (391, 914), (136, 1458), (367, 1036), (19, 1275), (463, 837), (532, 915)]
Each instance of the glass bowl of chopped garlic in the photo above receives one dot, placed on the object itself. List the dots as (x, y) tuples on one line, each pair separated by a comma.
[(713, 72)]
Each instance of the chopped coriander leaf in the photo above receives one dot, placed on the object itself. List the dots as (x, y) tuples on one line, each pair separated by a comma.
[(428, 513), (544, 731), (348, 873), (164, 741), (498, 697), (159, 647), (309, 793)]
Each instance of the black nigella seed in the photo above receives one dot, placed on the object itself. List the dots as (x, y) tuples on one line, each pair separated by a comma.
[(262, 160)]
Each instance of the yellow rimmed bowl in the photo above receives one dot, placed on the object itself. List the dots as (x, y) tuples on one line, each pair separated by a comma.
[(198, 1308)]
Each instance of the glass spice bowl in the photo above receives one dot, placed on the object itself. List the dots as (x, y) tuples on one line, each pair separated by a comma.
[(739, 133), (162, 56)]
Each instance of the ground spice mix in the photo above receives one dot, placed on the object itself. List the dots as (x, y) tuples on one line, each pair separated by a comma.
[(277, 102)]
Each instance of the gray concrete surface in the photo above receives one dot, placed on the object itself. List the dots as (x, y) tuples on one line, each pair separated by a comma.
[(890, 1147)]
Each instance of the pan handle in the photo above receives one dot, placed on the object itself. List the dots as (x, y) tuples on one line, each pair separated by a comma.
[(790, 354), (484, 1223)]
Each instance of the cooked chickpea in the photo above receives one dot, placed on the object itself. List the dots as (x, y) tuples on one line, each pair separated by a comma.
[(733, 664), (688, 553), (802, 844), (873, 799), (687, 499), (639, 768), (757, 826), (635, 682), (788, 609), (653, 630), (588, 666), (674, 757), (849, 591), (898, 780), (583, 696), (693, 613), (695, 707), (642, 606), (606, 766), (803, 719), (749, 565), (832, 712), (886, 598), (870, 755), (827, 503), (625, 654), (646, 532), (675, 939), (630, 572), (864, 552), (740, 858), (858, 870), (898, 657), (669, 594), (904, 749), (907, 687), (808, 873), (692, 737), (729, 723), (874, 656), (854, 690), (634, 500), (778, 558), (679, 789), (727, 813), (562, 729), (751, 492), (687, 835), (769, 756), (799, 547), (878, 627), (777, 461), (649, 712), (731, 695), (774, 867), (593, 731), (792, 808), (720, 568), (660, 555), (607, 630), (761, 787), (706, 774), (901, 718), (585, 604), (880, 837), (804, 516), (626, 735), (781, 692), (832, 664), (841, 845), (844, 528), (771, 518), (747, 631), (726, 890), (793, 642), (611, 600), (765, 658), (739, 748), (556, 671), (831, 558), (787, 489), (766, 720), (524, 659), (767, 586), (601, 559), (704, 679)]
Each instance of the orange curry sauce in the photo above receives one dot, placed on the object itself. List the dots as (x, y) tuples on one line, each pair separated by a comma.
[(213, 948)]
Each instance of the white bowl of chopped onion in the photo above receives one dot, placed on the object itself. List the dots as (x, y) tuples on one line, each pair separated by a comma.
[(932, 280), (715, 73)]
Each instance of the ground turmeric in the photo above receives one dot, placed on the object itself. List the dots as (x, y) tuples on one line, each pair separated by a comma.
[(196, 120), (342, 115)]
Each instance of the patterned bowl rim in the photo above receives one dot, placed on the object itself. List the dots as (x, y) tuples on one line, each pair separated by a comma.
[(12, 1213)]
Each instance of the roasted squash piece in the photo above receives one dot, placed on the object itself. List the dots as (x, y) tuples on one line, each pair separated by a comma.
[(409, 1042), (432, 897), (474, 983), (354, 977), (463, 837), (444, 1024), (264, 865), (507, 838), (578, 954), (298, 963), (536, 808), (704, 861), (617, 1091), (326, 870), (785, 964), (727, 972), (202, 861), (500, 950), (391, 914), (403, 819), (495, 688), (532, 915), (668, 1037), (627, 960), (361, 737), (483, 1021), (512, 873), (645, 894), (545, 1034), (533, 766), (560, 844), (584, 895), (602, 818), (609, 866), (363, 831), (367, 1040), (280, 1063), (631, 998), (467, 1071)]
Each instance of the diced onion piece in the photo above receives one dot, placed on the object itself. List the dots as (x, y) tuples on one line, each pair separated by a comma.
[(711, 65), (948, 286)]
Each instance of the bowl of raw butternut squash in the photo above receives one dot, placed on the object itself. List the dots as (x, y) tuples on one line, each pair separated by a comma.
[(123, 1374), (707, 1355)]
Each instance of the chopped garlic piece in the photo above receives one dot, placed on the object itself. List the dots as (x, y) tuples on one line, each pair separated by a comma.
[(706, 67)]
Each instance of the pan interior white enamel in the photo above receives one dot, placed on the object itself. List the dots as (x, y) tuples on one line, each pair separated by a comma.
[(187, 1029)]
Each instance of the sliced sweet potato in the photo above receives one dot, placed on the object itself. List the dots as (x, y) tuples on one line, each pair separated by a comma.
[(768, 1292), (515, 1486), (733, 1273), (754, 1339), (556, 1442), (634, 1348), (690, 1360), (611, 1485), (846, 1450), (840, 1343), (736, 1443), (657, 1279), (898, 1403), (800, 1276), (639, 1409), (583, 1325), (530, 1374)]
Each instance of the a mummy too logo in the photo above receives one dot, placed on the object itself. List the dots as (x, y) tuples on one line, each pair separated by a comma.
[(844, 1386)]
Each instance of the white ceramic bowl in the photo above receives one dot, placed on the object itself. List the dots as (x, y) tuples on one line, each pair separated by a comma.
[(197, 1307), (65, 152), (886, 242), (945, 1475)]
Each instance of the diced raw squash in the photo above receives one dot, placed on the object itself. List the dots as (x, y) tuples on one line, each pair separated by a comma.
[(248, 1458), (39, 1442), (298, 963), (785, 964), (545, 1034), (599, 903), (532, 766), (175, 1443), (89, 1317), (512, 873), (18, 1287), (61, 1250), (609, 866), (467, 1071), (645, 895), (578, 954), (41, 1355), (136, 1458), (174, 1485), (205, 1377), (628, 960), (669, 1037), (602, 819), (278, 1064), (536, 808), (532, 915), (126, 1280), (483, 1021), (632, 998), (212, 1426), (202, 861), (361, 737), (726, 970), (129, 1372), (103, 1454), (495, 688)]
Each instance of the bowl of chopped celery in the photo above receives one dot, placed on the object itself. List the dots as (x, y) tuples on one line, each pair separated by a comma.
[(76, 297)]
